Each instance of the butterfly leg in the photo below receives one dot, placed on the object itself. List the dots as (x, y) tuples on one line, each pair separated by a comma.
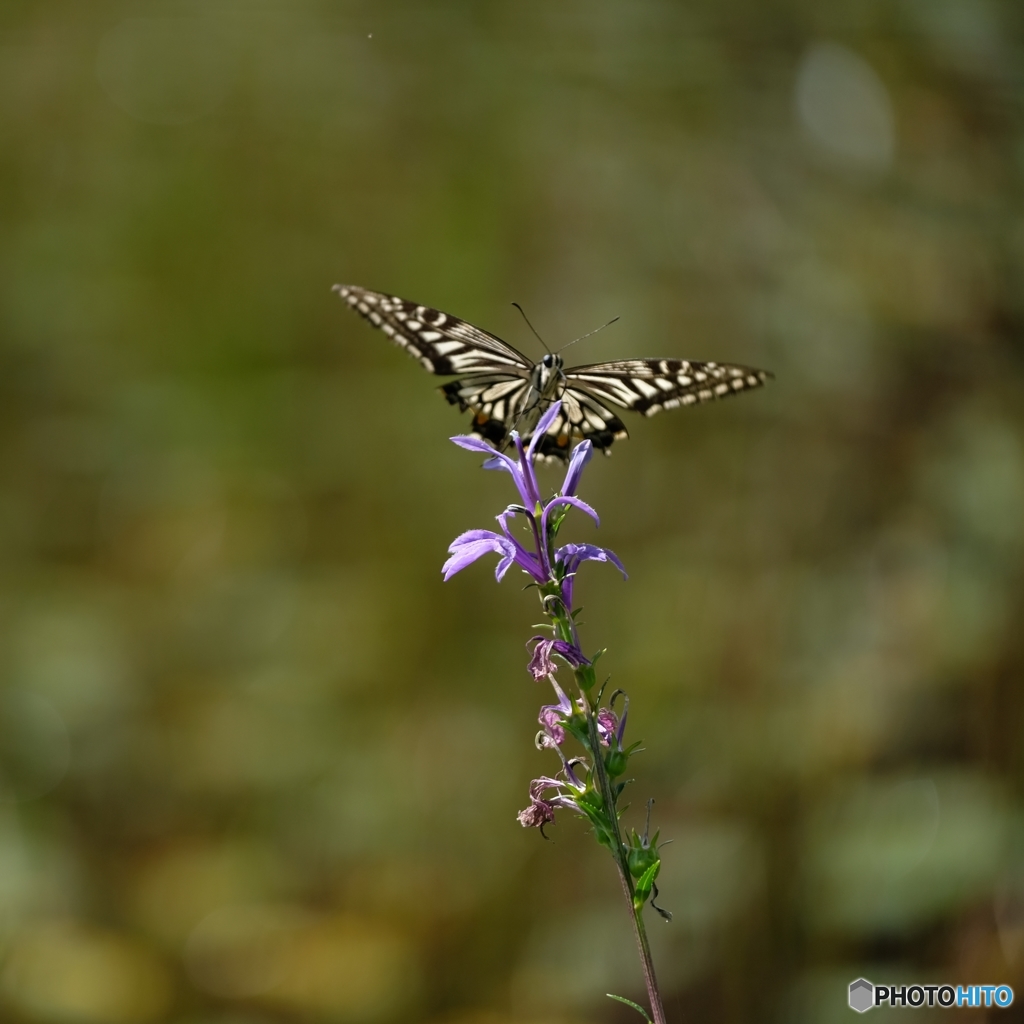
[(530, 400)]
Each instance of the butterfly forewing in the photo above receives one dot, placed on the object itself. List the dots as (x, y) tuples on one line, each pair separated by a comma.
[(443, 344), (649, 385), (499, 384)]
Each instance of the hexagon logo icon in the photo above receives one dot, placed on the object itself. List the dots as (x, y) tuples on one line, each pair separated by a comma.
[(862, 995)]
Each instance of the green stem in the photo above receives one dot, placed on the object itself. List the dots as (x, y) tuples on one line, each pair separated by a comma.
[(561, 617), (621, 862)]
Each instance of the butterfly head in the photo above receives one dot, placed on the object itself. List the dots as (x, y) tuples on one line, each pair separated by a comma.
[(547, 374)]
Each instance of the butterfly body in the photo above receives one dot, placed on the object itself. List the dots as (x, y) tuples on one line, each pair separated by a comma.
[(506, 391)]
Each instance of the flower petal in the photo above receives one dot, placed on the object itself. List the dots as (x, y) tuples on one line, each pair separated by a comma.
[(541, 429), (472, 535), (526, 480), (473, 444), (541, 666), (564, 705), (570, 555), (550, 719), (466, 551), (581, 455), (607, 724), (566, 499), (537, 815)]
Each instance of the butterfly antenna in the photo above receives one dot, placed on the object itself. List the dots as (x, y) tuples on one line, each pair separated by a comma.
[(594, 331), (532, 328)]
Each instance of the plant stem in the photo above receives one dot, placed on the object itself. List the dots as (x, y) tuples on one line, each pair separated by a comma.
[(621, 862)]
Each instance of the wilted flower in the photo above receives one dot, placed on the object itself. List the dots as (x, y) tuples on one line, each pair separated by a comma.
[(541, 666), (542, 810), (552, 716), (553, 729), (607, 723), (538, 814)]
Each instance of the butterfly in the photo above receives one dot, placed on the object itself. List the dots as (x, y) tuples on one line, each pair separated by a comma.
[(506, 391)]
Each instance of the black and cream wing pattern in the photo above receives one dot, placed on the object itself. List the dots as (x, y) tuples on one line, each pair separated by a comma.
[(506, 391)]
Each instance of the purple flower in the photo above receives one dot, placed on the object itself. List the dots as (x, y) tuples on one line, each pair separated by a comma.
[(521, 469), (566, 499), (474, 544), (581, 455), (569, 556)]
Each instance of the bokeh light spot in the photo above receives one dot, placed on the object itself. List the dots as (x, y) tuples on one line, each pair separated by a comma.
[(845, 107)]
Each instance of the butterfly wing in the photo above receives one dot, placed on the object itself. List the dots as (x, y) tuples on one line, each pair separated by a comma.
[(649, 385), (497, 382), (643, 385), (442, 343), (498, 401), (582, 417)]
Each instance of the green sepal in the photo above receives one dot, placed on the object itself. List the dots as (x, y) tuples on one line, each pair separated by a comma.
[(644, 884), (616, 762), (586, 677), (642, 856), (597, 818), (576, 726), (556, 520)]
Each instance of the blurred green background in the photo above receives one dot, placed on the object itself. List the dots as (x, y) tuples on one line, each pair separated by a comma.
[(258, 764)]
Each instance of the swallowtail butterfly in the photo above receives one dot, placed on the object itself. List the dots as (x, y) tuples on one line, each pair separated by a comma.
[(506, 391)]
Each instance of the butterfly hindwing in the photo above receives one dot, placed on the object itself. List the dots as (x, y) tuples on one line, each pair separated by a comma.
[(582, 418), (496, 400)]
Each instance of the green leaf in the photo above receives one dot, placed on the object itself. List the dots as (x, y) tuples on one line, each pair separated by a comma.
[(629, 1002)]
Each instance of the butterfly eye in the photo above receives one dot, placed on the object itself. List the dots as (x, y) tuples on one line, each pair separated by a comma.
[(548, 360)]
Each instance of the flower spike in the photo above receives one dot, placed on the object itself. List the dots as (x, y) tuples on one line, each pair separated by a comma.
[(589, 785)]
